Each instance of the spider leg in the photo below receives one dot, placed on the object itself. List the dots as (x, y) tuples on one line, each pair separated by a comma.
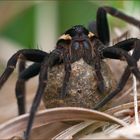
[(126, 73), (96, 46), (123, 56), (25, 75), (21, 68), (102, 26), (128, 44), (100, 79), (28, 54), (119, 87), (66, 79), (101, 29), (54, 58), (99, 76), (116, 13)]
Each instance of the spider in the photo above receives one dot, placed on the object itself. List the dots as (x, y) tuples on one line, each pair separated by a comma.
[(75, 44)]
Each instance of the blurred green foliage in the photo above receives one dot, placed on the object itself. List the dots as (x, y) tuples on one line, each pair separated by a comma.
[(75, 12), (136, 3), (21, 29), (70, 12)]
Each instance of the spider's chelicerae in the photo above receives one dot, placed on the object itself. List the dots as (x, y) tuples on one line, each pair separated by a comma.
[(76, 43)]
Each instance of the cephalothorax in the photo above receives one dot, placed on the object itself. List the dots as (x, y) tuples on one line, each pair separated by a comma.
[(76, 43)]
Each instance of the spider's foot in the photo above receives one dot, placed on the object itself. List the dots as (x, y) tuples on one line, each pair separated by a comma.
[(101, 87), (100, 104)]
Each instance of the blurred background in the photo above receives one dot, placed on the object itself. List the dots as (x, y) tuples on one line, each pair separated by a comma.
[(38, 24)]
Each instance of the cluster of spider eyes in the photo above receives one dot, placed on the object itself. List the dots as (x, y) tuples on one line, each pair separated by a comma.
[(77, 45)]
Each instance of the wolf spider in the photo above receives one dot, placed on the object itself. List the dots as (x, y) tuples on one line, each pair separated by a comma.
[(76, 43)]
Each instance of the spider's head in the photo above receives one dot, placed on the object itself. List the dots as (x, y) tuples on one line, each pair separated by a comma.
[(78, 36), (78, 33)]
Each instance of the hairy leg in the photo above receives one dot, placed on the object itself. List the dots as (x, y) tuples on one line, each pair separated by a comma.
[(54, 58), (102, 23), (102, 26), (25, 75), (66, 79), (116, 13), (136, 55), (21, 68), (28, 54)]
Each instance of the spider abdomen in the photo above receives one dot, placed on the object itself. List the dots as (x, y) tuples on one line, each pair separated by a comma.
[(82, 88)]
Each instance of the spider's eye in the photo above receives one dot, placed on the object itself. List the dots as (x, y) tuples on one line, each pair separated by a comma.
[(76, 45)]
